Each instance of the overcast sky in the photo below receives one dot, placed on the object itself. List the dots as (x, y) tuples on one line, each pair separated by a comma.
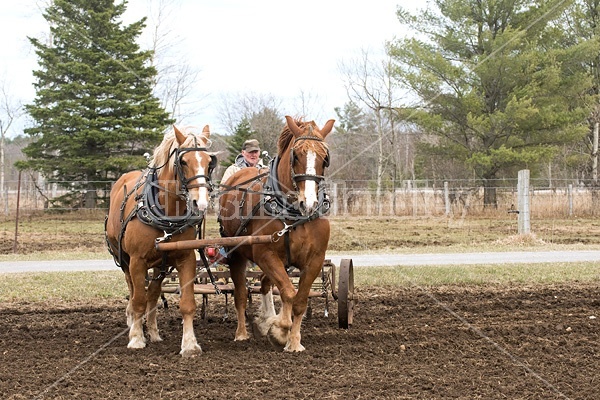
[(271, 47)]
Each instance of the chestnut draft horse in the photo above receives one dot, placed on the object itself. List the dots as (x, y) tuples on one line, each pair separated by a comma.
[(288, 204), (165, 201)]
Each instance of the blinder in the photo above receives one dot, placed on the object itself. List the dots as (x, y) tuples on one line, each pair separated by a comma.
[(307, 177), (212, 164), (185, 182), (326, 160)]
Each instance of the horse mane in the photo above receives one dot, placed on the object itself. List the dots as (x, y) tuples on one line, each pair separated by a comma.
[(286, 137), (162, 153)]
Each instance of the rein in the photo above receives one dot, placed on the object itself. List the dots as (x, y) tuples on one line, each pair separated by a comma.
[(185, 183), (149, 211), (277, 204)]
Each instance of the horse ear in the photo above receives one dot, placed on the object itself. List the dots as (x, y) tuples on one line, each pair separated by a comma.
[(180, 137), (206, 132), (327, 127), (292, 125)]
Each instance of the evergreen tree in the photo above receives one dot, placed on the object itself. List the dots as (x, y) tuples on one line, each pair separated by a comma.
[(496, 89), (235, 142), (94, 113)]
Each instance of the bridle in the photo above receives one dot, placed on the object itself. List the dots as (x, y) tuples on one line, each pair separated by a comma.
[(185, 182), (306, 177)]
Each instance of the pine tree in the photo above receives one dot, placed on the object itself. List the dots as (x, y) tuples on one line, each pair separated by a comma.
[(497, 92), (242, 133), (94, 113)]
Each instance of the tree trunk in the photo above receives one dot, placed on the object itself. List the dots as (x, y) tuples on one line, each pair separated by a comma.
[(2, 195), (489, 195), (91, 197), (380, 161), (595, 152)]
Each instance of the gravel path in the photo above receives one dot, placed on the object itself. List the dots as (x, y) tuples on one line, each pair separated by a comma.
[(359, 260)]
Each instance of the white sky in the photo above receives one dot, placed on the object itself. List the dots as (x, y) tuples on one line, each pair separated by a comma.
[(270, 47)]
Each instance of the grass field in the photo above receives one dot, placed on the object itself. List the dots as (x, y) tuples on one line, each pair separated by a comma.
[(85, 286), (80, 236)]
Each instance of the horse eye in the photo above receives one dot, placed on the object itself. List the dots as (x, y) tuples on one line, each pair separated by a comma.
[(183, 163)]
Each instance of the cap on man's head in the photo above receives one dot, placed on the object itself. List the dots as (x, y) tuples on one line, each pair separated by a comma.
[(251, 145)]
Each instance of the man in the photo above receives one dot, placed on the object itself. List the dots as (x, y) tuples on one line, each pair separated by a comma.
[(250, 157)]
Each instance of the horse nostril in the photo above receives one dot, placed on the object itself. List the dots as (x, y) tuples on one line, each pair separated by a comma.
[(301, 206), (195, 205)]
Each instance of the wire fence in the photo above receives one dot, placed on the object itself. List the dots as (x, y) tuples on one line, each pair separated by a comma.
[(359, 198)]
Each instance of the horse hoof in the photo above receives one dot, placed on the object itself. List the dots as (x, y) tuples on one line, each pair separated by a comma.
[(259, 328), (278, 336), (136, 343), (294, 349), (241, 338), (275, 344), (193, 352), (155, 338)]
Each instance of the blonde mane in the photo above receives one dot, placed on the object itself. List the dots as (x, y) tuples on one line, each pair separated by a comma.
[(166, 148)]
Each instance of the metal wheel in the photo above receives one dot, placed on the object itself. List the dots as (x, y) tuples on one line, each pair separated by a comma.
[(346, 293)]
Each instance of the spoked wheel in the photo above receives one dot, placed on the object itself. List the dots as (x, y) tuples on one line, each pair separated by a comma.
[(346, 293)]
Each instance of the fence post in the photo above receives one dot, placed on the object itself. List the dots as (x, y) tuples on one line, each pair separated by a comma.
[(570, 199), (5, 200), (15, 245), (524, 202), (334, 208), (447, 198)]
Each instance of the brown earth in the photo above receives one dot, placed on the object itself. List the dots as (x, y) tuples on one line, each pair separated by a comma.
[(527, 342)]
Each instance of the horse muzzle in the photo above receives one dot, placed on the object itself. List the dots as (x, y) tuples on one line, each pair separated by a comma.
[(200, 199)]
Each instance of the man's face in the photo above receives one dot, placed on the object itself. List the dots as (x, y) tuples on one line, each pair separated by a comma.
[(251, 157)]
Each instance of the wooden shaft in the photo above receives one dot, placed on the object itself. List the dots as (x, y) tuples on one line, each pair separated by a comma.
[(225, 241)]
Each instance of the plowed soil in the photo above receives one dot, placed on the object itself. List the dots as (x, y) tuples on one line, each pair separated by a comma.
[(534, 342)]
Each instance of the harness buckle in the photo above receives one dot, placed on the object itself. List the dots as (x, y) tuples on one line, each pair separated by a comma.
[(286, 228), (165, 238)]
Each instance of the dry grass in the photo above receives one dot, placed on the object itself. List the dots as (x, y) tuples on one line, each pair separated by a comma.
[(525, 240), (80, 235), (73, 287)]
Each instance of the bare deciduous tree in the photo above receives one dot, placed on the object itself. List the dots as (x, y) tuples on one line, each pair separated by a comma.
[(11, 110), (261, 110), (370, 84), (176, 78)]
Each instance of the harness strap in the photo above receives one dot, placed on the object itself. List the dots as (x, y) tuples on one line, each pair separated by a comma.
[(210, 274), (163, 268), (120, 261), (238, 187), (288, 252), (245, 221)]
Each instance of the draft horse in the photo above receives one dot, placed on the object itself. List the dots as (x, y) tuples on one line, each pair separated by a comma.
[(166, 201), (289, 203)]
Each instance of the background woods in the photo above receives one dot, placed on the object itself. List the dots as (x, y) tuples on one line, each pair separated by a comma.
[(467, 91)]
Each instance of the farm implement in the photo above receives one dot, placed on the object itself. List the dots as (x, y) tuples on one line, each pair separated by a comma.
[(335, 283)]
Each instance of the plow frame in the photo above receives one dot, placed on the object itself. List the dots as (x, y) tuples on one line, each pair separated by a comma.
[(323, 287)]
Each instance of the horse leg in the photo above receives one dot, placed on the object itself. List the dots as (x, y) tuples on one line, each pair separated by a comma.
[(237, 269), (137, 304), (267, 306), (153, 293), (128, 310), (187, 305), (278, 326), (307, 277)]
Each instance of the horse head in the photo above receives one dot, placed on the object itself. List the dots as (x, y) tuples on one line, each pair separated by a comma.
[(194, 165), (308, 158)]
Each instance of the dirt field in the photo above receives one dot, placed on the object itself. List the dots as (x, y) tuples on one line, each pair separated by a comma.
[(450, 342)]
